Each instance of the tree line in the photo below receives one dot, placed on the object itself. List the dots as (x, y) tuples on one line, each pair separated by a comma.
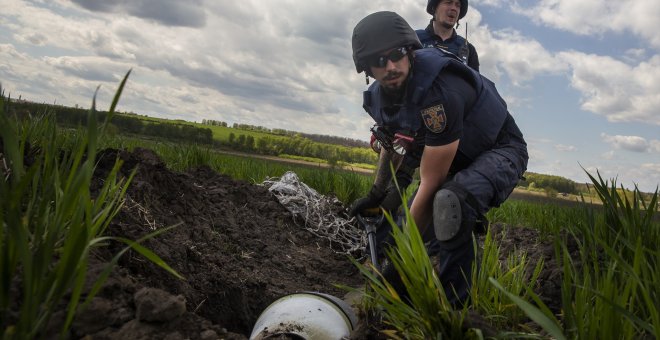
[(556, 183), (281, 142), (130, 124), (348, 142), (329, 148), (300, 146)]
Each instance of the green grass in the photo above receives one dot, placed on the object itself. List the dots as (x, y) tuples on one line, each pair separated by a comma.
[(221, 133), (344, 184), (549, 218), (609, 289), (429, 314), (51, 222)]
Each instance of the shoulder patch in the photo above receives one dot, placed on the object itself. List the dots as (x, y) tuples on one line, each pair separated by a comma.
[(434, 118)]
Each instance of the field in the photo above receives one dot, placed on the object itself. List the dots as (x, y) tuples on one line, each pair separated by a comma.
[(153, 240), (237, 248)]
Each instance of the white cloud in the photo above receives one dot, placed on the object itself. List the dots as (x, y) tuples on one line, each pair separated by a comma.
[(596, 17), (630, 143), (645, 175), (654, 145), (616, 90), (634, 55), (509, 52), (609, 155), (565, 148), (90, 68), (287, 64)]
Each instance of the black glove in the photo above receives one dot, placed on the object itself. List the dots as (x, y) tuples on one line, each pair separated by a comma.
[(372, 200)]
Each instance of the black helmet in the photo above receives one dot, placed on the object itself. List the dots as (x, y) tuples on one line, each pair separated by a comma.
[(378, 32), (432, 4)]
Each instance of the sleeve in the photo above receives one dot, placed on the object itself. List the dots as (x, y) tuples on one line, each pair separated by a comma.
[(442, 114)]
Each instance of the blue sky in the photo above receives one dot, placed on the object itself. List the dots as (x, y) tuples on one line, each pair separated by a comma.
[(581, 78)]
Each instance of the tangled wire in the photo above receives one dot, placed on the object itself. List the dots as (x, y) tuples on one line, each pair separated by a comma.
[(323, 216)]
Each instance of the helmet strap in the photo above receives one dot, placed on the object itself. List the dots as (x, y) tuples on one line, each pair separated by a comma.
[(366, 78)]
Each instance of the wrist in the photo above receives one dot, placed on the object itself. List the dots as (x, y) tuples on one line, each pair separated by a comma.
[(376, 193)]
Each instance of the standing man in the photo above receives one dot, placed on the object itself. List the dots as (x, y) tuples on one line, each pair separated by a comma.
[(441, 33), (434, 113)]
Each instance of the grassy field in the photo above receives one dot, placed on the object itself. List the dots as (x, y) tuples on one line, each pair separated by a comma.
[(50, 222)]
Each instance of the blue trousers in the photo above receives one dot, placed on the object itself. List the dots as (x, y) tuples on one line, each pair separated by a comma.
[(489, 180)]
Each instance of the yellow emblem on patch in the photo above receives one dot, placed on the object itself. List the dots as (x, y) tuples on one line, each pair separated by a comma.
[(434, 118)]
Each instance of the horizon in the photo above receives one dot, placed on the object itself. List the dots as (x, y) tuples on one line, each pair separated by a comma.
[(230, 126)]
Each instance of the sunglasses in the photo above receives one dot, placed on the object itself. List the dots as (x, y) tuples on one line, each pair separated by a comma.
[(395, 55)]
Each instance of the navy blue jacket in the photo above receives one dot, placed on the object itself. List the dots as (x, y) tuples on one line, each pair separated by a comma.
[(455, 44), (483, 123)]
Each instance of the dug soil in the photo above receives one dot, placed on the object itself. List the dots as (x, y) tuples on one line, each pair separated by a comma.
[(237, 248)]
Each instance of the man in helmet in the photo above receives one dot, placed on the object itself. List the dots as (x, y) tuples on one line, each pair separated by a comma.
[(434, 113), (441, 33)]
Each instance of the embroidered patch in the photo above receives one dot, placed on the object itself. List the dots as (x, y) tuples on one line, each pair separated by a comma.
[(434, 118)]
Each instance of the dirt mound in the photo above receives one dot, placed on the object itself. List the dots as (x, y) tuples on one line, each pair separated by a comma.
[(236, 246)]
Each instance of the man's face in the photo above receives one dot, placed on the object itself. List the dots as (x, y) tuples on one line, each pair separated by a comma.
[(391, 69), (446, 13)]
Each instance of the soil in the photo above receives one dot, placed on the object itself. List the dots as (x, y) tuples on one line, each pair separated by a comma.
[(237, 248)]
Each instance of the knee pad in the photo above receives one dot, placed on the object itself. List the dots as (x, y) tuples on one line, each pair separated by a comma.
[(452, 216), (447, 215)]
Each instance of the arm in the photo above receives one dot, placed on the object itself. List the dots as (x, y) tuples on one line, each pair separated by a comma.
[(433, 170), (379, 189), (383, 172)]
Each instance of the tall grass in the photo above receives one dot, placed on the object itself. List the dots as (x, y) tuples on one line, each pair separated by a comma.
[(610, 289), (50, 220), (516, 274), (425, 313), (549, 218), (609, 257), (613, 288)]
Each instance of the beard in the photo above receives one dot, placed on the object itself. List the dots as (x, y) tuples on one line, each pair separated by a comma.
[(394, 90)]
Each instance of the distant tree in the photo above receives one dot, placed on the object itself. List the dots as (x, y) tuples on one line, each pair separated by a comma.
[(262, 146), (249, 142)]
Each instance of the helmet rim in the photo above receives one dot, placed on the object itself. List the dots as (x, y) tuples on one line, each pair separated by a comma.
[(432, 4), (379, 32)]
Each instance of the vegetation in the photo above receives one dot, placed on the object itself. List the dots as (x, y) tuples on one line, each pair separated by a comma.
[(51, 222), (556, 183), (609, 291), (74, 117), (326, 139), (272, 142)]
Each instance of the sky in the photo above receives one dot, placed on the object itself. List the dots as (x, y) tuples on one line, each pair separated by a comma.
[(581, 78)]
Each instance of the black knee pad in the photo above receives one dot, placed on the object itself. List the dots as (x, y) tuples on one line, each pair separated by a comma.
[(451, 222)]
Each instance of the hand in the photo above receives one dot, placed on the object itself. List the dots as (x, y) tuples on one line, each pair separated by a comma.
[(362, 204), (372, 200)]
